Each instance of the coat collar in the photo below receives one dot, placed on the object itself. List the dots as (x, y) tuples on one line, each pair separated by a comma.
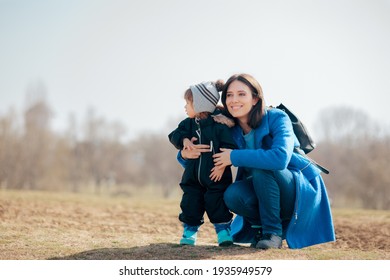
[(204, 122), (260, 132), (263, 129)]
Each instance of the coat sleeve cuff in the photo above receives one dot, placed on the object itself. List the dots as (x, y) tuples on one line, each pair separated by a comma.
[(234, 158), (181, 160)]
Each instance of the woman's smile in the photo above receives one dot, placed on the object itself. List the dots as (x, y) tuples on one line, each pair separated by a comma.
[(239, 100), (236, 107)]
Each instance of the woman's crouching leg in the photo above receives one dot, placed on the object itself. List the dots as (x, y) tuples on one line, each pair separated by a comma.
[(241, 199)]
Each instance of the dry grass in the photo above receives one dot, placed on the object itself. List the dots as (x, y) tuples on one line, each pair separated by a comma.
[(39, 225)]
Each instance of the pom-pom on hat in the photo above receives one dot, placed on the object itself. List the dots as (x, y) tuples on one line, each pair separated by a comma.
[(205, 96)]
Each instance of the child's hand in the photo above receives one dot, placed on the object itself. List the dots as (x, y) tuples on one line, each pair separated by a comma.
[(189, 144), (216, 173), (198, 149)]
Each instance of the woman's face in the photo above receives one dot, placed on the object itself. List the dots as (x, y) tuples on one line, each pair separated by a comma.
[(239, 100)]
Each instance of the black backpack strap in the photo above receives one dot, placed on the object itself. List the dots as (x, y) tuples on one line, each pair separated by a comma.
[(302, 153), (300, 130)]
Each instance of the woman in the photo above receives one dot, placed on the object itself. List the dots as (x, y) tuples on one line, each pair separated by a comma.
[(278, 193)]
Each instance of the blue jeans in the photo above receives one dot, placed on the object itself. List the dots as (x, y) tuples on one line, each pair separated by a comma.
[(266, 198)]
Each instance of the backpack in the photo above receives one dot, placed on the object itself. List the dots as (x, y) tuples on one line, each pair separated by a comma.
[(300, 130), (307, 143)]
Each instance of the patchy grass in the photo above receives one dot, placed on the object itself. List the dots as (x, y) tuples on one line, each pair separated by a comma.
[(41, 225)]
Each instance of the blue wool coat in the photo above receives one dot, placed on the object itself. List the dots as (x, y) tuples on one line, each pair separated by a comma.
[(312, 221), (275, 141)]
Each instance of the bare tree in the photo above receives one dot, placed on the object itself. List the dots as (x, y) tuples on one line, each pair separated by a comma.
[(356, 150), (37, 135), (158, 159), (102, 150), (345, 123), (10, 151)]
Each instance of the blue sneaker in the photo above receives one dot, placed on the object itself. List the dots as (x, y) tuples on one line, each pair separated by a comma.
[(224, 238), (223, 234), (189, 235)]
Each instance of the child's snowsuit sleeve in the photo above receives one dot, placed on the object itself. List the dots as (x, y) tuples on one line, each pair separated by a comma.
[(183, 131)]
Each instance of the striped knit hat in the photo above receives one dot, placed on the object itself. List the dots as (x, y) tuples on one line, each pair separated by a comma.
[(205, 97)]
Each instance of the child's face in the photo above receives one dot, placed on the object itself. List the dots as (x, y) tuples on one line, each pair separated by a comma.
[(189, 108)]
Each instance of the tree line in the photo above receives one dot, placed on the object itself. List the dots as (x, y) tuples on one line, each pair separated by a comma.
[(32, 156)]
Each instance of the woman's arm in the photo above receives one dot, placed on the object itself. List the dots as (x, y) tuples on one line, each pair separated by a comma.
[(280, 146), (275, 157)]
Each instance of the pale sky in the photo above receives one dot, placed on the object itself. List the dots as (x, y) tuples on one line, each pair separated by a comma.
[(132, 60)]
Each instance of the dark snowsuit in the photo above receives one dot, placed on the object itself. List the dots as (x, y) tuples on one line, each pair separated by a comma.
[(200, 192)]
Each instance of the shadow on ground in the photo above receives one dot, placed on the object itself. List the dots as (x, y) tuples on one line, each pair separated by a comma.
[(161, 251)]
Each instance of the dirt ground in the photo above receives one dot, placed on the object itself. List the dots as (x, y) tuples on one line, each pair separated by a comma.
[(37, 225)]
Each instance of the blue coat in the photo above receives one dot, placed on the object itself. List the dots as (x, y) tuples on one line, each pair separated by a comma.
[(275, 141)]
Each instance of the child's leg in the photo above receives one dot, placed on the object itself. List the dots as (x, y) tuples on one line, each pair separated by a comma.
[(192, 205), (215, 206), (219, 214), (192, 213)]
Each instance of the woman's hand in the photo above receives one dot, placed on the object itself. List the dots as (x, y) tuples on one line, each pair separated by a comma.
[(195, 151), (222, 159)]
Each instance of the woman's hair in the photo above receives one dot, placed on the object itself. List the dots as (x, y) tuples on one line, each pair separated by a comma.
[(257, 111), (219, 85)]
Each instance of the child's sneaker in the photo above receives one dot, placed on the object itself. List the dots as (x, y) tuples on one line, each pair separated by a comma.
[(189, 235), (224, 238), (223, 234)]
